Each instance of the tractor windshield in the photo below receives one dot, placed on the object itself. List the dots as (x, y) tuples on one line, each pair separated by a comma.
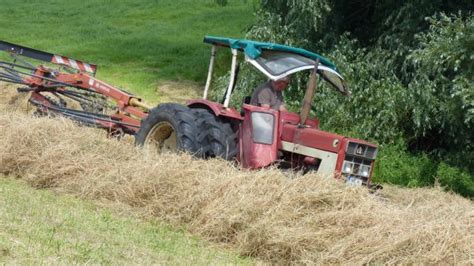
[(276, 65)]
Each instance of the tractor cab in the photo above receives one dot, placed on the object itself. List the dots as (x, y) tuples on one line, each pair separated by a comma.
[(267, 136)]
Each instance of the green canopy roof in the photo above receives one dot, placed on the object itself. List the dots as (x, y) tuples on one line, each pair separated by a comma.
[(254, 49)]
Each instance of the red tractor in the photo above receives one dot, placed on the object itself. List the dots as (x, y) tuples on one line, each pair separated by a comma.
[(255, 136)]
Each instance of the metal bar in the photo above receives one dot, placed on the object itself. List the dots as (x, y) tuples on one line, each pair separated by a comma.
[(12, 72), (88, 102), (10, 77), (47, 57), (81, 98), (232, 78), (75, 97), (24, 62), (210, 71), (47, 79), (137, 103), (25, 51), (7, 75), (82, 114), (12, 81), (15, 65), (308, 97), (84, 96)]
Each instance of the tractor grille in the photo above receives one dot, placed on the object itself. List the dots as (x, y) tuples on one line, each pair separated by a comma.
[(358, 161), (361, 150)]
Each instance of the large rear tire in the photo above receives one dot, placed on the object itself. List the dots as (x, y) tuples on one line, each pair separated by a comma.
[(217, 137), (169, 128), (201, 118), (223, 140)]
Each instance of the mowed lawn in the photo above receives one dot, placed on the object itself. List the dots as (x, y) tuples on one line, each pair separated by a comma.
[(136, 43), (38, 227)]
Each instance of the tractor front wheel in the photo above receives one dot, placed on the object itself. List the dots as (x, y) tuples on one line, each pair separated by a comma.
[(169, 128)]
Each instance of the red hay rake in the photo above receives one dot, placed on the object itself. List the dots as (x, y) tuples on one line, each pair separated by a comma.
[(68, 87)]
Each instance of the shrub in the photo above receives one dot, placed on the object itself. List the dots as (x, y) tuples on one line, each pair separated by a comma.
[(410, 69), (456, 180), (397, 166)]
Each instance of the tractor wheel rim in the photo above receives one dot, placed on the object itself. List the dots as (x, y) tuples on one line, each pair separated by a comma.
[(162, 137)]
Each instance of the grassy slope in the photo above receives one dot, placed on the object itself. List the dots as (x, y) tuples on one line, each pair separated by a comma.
[(135, 43), (38, 227)]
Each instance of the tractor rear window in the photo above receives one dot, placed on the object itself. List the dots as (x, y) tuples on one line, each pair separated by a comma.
[(277, 63)]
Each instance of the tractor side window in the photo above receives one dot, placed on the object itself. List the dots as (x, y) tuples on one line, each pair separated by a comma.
[(262, 127), (277, 63)]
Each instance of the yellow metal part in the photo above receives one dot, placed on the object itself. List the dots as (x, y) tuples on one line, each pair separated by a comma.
[(138, 103)]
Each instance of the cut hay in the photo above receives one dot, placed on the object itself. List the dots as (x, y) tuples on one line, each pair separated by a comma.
[(263, 213)]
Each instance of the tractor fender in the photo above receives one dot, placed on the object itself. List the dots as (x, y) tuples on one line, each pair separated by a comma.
[(218, 109)]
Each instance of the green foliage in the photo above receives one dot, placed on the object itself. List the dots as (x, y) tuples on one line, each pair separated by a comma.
[(221, 2), (305, 19), (397, 166), (388, 101), (455, 179), (410, 70), (445, 68), (379, 105)]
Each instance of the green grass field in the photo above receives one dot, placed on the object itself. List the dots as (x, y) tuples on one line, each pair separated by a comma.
[(38, 227), (136, 44)]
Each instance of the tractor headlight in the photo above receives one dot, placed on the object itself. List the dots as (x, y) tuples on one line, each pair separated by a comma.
[(347, 167), (364, 170)]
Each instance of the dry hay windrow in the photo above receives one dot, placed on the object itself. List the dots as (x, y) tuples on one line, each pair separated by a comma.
[(11, 100), (258, 213)]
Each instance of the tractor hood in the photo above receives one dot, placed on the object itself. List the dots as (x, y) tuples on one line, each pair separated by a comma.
[(277, 61)]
